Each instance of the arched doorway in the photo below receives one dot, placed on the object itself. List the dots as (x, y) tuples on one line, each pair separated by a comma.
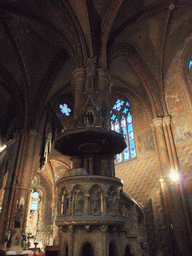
[(127, 251), (87, 250), (112, 250)]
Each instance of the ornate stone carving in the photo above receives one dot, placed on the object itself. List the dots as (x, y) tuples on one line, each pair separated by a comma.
[(19, 216), (96, 201), (124, 210), (78, 202), (71, 229), (64, 202), (112, 202), (104, 228), (87, 228)]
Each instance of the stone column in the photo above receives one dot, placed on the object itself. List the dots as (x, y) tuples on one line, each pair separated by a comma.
[(71, 240), (104, 230), (104, 204), (170, 142), (18, 184), (172, 198), (103, 86), (70, 205), (91, 167), (159, 135), (86, 205), (79, 77), (59, 205)]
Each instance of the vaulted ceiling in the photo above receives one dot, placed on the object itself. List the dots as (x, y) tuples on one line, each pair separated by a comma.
[(43, 42)]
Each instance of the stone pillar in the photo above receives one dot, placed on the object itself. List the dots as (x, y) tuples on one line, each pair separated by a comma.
[(104, 231), (79, 77), (59, 205), (104, 204), (76, 162), (172, 198), (18, 184), (86, 205), (70, 205), (103, 85), (71, 240), (91, 167), (159, 135)]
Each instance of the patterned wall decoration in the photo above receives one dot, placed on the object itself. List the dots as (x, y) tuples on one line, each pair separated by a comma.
[(184, 154), (182, 127), (144, 141), (139, 176), (140, 118)]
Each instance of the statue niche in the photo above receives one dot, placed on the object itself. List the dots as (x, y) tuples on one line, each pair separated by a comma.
[(95, 200), (19, 216), (112, 201), (64, 202), (78, 201)]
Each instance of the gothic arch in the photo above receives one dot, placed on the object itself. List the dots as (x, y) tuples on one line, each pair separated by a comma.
[(87, 249), (149, 86), (113, 249)]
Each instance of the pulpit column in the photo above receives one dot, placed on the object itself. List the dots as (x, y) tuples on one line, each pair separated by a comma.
[(103, 85), (79, 77), (71, 240)]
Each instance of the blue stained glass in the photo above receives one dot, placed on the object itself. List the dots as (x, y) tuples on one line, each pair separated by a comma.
[(124, 130), (133, 152), (130, 127), (131, 135), (132, 148), (65, 109), (126, 154), (34, 205), (118, 105), (121, 111), (113, 117), (123, 122), (129, 118), (190, 64), (119, 158), (117, 126), (35, 195), (125, 110)]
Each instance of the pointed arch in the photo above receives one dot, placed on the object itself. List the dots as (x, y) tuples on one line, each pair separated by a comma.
[(121, 122), (149, 85), (87, 249)]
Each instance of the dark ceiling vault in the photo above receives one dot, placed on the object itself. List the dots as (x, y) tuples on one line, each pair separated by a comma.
[(39, 39)]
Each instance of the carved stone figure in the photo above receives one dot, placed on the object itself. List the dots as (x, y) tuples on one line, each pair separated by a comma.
[(112, 202), (19, 216), (65, 203), (78, 202), (96, 201)]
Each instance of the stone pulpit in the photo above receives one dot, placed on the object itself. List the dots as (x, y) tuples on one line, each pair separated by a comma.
[(95, 216)]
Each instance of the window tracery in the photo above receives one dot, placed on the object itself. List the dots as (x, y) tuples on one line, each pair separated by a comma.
[(121, 122), (65, 109)]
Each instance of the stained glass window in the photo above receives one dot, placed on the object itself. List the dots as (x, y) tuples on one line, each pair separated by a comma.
[(190, 64), (122, 122), (34, 205), (65, 109), (35, 195)]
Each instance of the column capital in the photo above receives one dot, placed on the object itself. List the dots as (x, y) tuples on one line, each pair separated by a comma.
[(157, 121), (71, 229), (79, 74), (166, 120)]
